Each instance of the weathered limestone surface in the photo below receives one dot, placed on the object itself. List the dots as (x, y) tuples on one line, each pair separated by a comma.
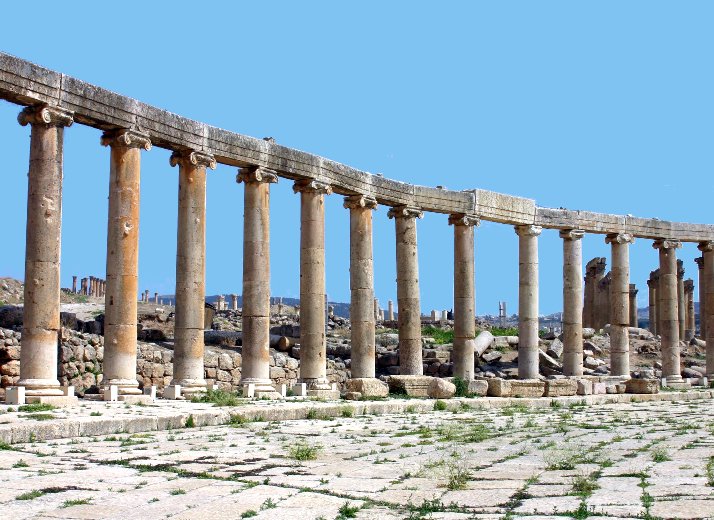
[(642, 386), (572, 302), (668, 303), (528, 301), (560, 387), (498, 387), (707, 249), (620, 304), (411, 385)]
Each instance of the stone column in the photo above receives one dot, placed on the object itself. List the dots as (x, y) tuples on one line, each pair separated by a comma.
[(600, 300), (156, 298), (256, 280), (190, 270), (706, 316), (41, 316), (122, 259), (234, 297), (313, 361), (681, 300), (408, 300), (633, 306), (528, 301), (74, 285), (390, 310), (668, 308), (652, 312), (620, 303), (702, 299), (464, 295), (689, 299), (588, 298), (603, 311), (362, 314), (83, 286), (572, 302)]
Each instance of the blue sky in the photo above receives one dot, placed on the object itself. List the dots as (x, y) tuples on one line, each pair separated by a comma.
[(604, 106)]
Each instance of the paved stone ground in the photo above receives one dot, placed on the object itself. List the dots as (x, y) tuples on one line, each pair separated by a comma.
[(634, 460)]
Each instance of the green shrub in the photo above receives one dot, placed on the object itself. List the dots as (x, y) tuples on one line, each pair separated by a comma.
[(440, 336)]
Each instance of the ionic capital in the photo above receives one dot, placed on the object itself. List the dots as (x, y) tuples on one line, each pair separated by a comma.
[(663, 243), (528, 230), (312, 186), (571, 234), (45, 115), (359, 202), (706, 247), (194, 159), (619, 238), (256, 174), (462, 219), (126, 139), (405, 212), (700, 262)]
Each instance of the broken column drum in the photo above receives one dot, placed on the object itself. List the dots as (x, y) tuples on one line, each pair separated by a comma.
[(313, 353), (528, 301), (256, 279), (41, 316), (408, 297), (464, 295), (572, 302), (120, 320), (362, 310), (668, 304), (188, 370)]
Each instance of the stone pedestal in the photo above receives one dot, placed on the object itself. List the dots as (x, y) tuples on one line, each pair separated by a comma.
[(41, 315), (707, 249), (188, 374), (528, 301), (122, 259), (668, 308), (620, 304), (408, 299), (572, 302), (362, 314), (464, 295), (256, 281), (313, 355)]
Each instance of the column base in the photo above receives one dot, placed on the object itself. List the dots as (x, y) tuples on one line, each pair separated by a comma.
[(124, 386), (258, 388), (319, 387), (41, 387), (189, 387), (59, 401)]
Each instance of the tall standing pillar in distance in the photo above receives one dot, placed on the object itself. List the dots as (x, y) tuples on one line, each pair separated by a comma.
[(464, 295), (41, 315), (668, 303), (408, 298), (604, 286), (74, 285), (681, 300), (313, 353), (620, 303), (707, 315), (589, 296), (600, 305), (689, 314), (528, 301), (633, 305), (390, 310), (572, 302), (256, 280), (362, 312), (702, 299), (190, 270), (123, 259), (652, 309)]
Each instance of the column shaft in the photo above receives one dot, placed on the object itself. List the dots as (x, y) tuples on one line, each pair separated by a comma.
[(620, 304), (528, 301), (668, 304), (572, 302), (464, 295), (41, 314), (122, 259), (702, 299), (689, 328), (707, 316), (652, 309), (634, 322)]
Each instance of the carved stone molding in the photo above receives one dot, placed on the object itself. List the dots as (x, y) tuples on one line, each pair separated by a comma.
[(706, 247), (571, 234), (312, 186), (256, 174), (619, 238), (528, 230), (462, 219), (45, 115), (126, 138), (405, 212), (360, 201), (194, 158)]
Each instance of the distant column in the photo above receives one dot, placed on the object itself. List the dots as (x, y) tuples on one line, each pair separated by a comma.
[(83, 286), (120, 320), (408, 299), (689, 299), (464, 295), (652, 310), (390, 310), (604, 286), (668, 303), (633, 306), (234, 301), (702, 298), (74, 285), (41, 318), (572, 302), (620, 303), (707, 315), (362, 315), (256, 280), (528, 301), (156, 298), (681, 300), (313, 361), (601, 305)]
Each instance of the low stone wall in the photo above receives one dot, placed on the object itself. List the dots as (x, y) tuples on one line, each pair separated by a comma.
[(80, 357)]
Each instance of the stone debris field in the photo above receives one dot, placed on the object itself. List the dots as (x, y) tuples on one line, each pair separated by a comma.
[(625, 460)]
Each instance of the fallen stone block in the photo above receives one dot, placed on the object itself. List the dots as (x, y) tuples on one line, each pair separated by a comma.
[(599, 388), (585, 387), (527, 388), (478, 387), (642, 386), (482, 342), (353, 396), (555, 350), (498, 387), (368, 387), (559, 387), (413, 386), (491, 357), (441, 389)]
